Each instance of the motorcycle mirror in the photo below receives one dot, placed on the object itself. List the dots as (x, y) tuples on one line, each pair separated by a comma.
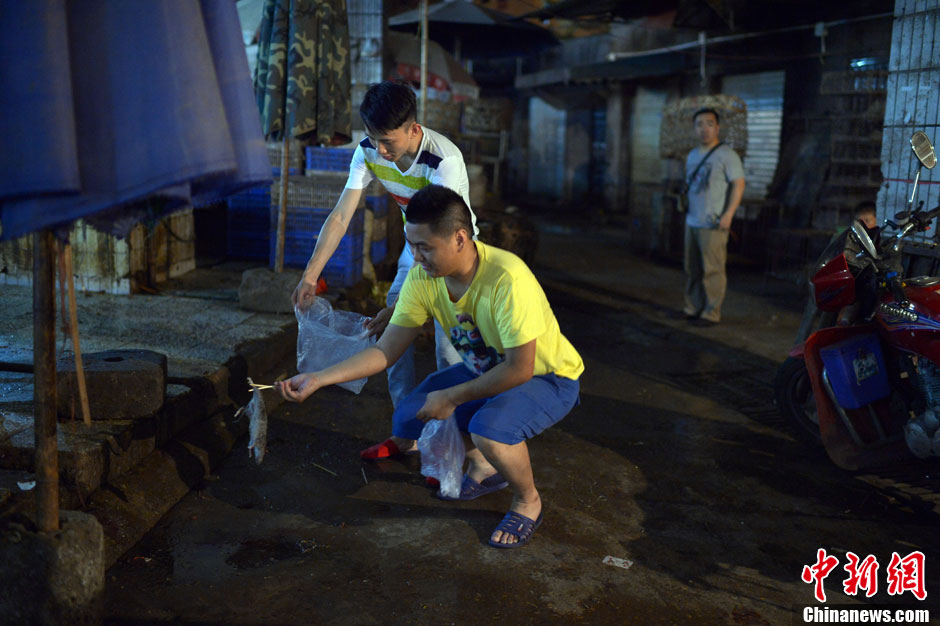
[(923, 149), (860, 235)]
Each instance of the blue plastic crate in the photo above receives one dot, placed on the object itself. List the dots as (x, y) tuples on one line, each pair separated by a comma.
[(248, 225), (332, 159), (253, 195), (248, 219), (378, 250), (260, 190), (303, 221), (249, 246), (342, 270), (292, 171), (378, 205)]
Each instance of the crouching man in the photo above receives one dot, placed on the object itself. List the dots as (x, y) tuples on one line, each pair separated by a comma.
[(518, 375)]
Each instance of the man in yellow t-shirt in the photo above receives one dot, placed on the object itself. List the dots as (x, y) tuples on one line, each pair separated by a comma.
[(519, 374)]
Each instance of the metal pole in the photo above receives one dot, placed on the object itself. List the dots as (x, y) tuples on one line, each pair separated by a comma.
[(423, 109), (701, 63), (44, 385), (282, 206)]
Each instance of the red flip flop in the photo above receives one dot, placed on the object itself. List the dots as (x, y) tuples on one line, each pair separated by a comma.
[(382, 450)]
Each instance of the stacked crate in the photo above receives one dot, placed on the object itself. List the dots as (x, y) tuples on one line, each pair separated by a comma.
[(378, 246), (328, 159), (855, 143), (310, 199), (366, 43), (248, 224), (336, 160), (295, 157)]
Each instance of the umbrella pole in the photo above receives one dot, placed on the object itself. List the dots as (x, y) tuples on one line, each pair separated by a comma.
[(282, 207), (46, 461), (422, 114)]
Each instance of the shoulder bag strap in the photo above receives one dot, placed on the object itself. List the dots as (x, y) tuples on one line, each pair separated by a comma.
[(702, 162)]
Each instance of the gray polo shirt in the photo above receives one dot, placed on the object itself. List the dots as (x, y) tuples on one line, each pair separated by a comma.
[(708, 193)]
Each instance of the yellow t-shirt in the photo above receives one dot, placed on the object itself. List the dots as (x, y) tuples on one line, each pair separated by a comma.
[(504, 307)]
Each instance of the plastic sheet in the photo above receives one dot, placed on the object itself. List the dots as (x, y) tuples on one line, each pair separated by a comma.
[(325, 337), (442, 454)]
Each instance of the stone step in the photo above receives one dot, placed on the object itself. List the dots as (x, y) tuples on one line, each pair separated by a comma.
[(106, 450)]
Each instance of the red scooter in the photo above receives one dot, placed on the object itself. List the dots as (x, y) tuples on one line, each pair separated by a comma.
[(863, 380)]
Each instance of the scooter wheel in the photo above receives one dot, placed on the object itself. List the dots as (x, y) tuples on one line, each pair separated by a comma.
[(795, 401)]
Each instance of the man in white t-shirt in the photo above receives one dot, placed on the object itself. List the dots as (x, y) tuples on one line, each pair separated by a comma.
[(404, 157), (715, 177)]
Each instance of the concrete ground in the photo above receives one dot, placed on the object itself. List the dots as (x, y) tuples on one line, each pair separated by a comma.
[(675, 462)]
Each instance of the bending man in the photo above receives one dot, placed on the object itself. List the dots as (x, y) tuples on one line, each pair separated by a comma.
[(404, 157), (518, 375)]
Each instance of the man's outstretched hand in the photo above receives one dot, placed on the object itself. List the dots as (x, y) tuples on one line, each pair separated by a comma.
[(298, 388)]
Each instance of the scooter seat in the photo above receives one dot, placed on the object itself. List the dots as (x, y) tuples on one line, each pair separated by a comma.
[(923, 281)]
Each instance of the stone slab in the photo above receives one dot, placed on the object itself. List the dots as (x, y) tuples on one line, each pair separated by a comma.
[(52, 578), (121, 384), (267, 291)]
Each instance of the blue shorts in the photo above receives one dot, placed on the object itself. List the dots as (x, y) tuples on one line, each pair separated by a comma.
[(510, 417)]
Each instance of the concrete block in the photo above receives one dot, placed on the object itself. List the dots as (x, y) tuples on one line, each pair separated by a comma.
[(266, 291), (52, 578), (122, 384)]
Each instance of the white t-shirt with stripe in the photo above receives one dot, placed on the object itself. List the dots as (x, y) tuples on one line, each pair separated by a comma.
[(438, 162)]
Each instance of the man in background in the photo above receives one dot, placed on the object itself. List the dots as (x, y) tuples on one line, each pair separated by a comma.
[(715, 178)]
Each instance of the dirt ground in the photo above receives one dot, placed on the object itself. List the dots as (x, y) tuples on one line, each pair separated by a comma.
[(675, 461)]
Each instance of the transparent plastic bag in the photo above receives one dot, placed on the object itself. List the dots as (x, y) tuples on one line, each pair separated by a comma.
[(325, 337), (442, 454)]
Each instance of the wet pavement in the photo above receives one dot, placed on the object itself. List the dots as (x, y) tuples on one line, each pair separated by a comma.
[(675, 463)]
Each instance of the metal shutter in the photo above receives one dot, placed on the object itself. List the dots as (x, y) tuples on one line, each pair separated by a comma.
[(763, 94), (913, 91), (546, 148)]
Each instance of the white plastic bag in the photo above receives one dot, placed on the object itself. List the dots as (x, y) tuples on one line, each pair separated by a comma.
[(325, 337), (442, 454)]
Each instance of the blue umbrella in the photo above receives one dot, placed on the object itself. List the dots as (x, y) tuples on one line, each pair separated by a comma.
[(113, 112), (108, 104)]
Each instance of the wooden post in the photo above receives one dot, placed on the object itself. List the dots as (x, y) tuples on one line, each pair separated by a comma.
[(73, 332), (44, 385), (423, 108), (282, 206)]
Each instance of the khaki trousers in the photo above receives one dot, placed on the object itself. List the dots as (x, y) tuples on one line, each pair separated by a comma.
[(706, 250)]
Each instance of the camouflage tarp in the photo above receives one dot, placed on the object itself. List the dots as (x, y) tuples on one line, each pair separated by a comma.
[(303, 71), (677, 134)]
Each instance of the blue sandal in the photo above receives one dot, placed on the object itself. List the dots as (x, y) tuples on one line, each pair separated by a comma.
[(517, 525), (471, 489)]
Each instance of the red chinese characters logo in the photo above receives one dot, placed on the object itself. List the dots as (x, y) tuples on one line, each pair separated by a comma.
[(817, 573), (907, 574), (903, 574), (862, 575)]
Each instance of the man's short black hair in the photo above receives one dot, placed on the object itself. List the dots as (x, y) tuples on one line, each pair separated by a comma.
[(442, 209), (388, 105), (707, 110), (865, 207)]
